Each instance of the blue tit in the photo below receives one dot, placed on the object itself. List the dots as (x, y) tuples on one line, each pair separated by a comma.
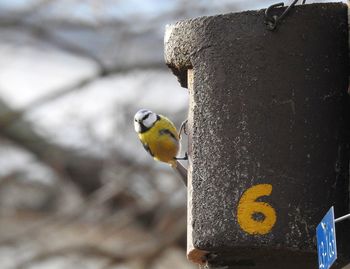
[(160, 138)]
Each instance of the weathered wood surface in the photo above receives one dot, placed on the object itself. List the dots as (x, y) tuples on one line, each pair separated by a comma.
[(269, 134)]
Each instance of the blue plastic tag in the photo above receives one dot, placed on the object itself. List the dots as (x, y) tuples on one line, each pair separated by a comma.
[(326, 241)]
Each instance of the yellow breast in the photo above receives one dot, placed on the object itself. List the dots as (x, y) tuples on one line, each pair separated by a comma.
[(162, 140)]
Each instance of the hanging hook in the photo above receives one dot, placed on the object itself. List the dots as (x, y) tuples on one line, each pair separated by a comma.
[(272, 21)]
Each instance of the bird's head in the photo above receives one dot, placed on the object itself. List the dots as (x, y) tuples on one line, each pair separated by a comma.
[(144, 119)]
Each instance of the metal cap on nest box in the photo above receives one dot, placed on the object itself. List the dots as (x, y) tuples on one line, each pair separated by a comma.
[(268, 134)]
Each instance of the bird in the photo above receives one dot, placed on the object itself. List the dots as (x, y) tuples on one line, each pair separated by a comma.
[(160, 139)]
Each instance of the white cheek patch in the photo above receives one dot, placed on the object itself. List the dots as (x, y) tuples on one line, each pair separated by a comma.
[(151, 119), (137, 127)]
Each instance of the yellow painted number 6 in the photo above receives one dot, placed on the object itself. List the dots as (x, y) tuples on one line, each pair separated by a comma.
[(256, 217)]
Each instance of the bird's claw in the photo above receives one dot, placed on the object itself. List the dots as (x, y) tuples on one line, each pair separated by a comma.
[(183, 128)]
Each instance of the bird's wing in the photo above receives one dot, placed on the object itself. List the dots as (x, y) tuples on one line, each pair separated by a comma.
[(168, 132), (146, 147)]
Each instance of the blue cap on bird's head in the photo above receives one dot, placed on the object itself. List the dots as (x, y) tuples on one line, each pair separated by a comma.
[(144, 119)]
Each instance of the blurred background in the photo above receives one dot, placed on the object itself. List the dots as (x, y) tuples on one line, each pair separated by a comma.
[(77, 190)]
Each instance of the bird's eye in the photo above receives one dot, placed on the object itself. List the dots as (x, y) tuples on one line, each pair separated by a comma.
[(135, 120)]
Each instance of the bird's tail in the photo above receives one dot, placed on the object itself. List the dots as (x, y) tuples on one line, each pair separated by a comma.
[(181, 170)]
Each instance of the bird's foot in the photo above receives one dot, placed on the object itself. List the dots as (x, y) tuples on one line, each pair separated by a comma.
[(183, 128), (182, 158)]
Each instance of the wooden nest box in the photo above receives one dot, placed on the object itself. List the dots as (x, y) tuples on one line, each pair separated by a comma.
[(269, 131)]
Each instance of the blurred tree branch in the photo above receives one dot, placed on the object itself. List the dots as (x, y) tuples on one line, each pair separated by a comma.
[(48, 35), (81, 169), (122, 204), (147, 251), (83, 250), (15, 16), (7, 117)]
